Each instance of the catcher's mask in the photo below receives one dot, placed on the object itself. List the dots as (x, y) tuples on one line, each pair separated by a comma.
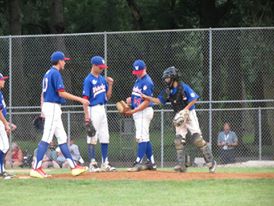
[(170, 75)]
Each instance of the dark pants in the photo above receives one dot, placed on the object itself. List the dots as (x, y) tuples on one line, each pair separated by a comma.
[(227, 156)]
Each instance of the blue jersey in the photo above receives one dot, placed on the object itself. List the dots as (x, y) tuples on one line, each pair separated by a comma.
[(3, 105), (189, 95), (142, 85), (52, 84), (95, 89)]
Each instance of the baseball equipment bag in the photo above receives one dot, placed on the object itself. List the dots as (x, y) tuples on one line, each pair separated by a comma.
[(122, 106), (38, 123), (90, 129), (181, 117)]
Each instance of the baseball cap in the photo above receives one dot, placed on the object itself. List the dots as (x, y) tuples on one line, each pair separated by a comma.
[(58, 55), (98, 61), (138, 67), (2, 77)]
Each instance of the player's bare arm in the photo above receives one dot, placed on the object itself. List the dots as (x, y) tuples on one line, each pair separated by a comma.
[(141, 107), (155, 100), (190, 104), (5, 122), (86, 113), (41, 104), (72, 97), (110, 86)]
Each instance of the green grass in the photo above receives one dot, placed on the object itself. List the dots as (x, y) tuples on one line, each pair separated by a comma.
[(95, 192), (131, 192)]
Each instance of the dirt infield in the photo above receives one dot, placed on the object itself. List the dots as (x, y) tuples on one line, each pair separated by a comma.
[(164, 175)]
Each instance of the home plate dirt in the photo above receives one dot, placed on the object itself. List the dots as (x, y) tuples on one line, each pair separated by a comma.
[(163, 175)]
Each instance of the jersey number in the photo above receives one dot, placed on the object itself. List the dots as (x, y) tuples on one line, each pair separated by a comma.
[(45, 84), (137, 101)]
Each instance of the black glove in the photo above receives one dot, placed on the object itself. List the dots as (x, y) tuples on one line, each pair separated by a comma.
[(90, 129), (38, 123)]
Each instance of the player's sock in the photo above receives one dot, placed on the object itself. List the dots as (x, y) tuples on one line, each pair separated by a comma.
[(149, 153), (91, 152), (65, 150), (42, 148), (104, 149), (2, 155), (141, 151)]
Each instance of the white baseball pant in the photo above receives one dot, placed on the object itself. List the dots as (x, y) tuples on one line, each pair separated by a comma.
[(142, 121), (192, 125), (4, 141), (99, 120), (53, 123)]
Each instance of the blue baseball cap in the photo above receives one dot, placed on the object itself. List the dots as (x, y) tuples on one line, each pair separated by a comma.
[(98, 61), (2, 77), (58, 55), (138, 67)]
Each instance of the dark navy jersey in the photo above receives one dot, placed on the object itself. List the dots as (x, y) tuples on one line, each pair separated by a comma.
[(142, 85), (52, 84), (95, 89), (3, 106), (189, 95)]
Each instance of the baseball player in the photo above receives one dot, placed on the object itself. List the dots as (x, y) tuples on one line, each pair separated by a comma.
[(98, 90), (5, 129), (142, 115), (183, 100), (52, 97)]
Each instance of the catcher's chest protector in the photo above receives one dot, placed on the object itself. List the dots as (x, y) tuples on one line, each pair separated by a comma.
[(178, 100)]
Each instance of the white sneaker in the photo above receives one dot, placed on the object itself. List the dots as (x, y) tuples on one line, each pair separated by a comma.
[(93, 167), (213, 167), (106, 167)]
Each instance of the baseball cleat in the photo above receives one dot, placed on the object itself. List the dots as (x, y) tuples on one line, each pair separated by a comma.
[(93, 167), (150, 166), (6, 176), (136, 167), (179, 168), (213, 167), (38, 173), (78, 170), (106, 167)]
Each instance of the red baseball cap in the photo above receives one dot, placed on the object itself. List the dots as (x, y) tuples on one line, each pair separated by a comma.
[(138, 67), (2, 77)]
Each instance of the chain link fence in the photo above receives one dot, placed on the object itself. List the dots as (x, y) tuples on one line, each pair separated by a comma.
[(231, 70)]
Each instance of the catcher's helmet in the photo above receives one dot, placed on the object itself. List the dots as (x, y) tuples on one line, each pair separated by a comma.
[(172, 73)]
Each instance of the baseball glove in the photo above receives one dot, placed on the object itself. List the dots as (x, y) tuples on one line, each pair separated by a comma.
[(90, 129), (122, 106), (181, 117), (38, 123)]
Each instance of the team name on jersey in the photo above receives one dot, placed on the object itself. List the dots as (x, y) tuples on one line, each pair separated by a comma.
[(136, 91), (98, 89)]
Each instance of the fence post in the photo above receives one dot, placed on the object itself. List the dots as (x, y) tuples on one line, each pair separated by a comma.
[(10, 90), (105, 51), (210, 89), (162, 138), (69, 126), (260, 132)]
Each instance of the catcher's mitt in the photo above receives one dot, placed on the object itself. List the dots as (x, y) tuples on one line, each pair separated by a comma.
[(90, 129), (181, 117), (38, 123), (122, 106)]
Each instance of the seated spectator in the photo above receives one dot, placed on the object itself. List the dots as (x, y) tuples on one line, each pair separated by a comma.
[(14, 157), (75, 153), (50, 157), (61, 160), (227, 142), (74, 150)]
